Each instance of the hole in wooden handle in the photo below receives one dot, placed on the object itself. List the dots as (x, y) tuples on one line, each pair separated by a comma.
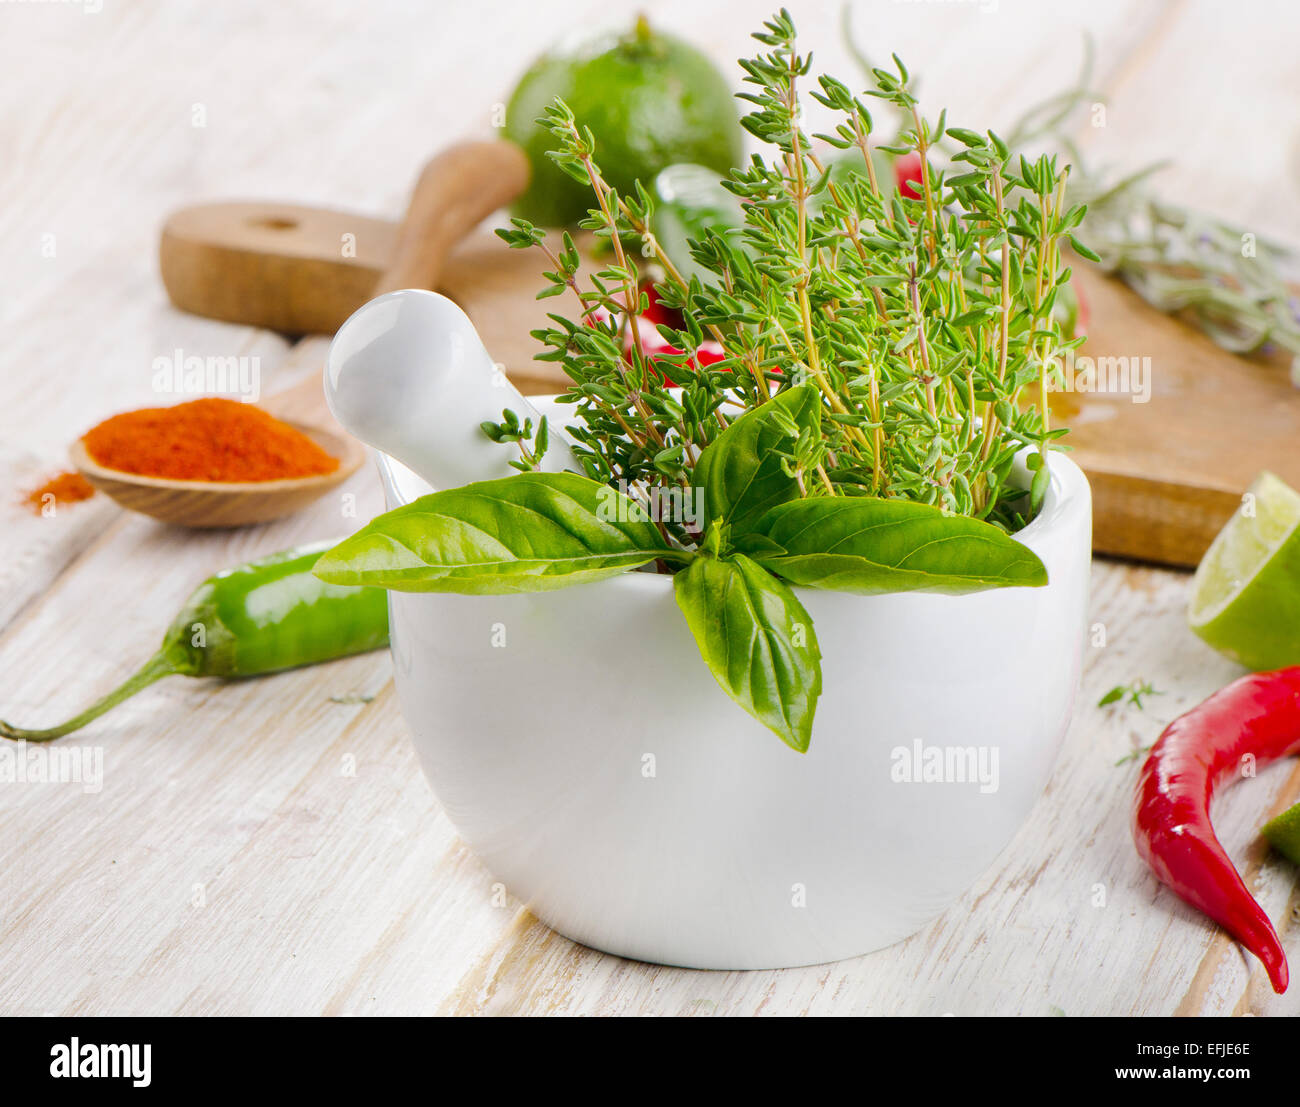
[(273, 222)]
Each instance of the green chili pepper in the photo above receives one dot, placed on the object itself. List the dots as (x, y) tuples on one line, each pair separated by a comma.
[(261, 617)]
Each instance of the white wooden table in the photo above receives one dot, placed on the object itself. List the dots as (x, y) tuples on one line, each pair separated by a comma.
[(233, 861)]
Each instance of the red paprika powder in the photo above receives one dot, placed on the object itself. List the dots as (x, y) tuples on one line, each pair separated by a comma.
[(212, 439)]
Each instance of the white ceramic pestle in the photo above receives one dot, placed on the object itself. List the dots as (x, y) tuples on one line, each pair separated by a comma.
[(408, 374)]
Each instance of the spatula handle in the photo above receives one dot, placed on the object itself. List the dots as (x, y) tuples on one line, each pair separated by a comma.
[(457, 189)]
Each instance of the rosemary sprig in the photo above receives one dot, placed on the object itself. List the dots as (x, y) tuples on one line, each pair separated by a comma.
[(1224, 279), (1221, 277)]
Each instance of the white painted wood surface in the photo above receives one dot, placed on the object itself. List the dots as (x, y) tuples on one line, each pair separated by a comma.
[(232, 862)]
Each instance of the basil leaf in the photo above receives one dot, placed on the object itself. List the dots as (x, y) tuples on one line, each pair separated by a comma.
[(757, 639), (740, 470), (529, 533), (867, 545)]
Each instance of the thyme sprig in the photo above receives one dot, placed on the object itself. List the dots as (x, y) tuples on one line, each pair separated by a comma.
[(925, 323)]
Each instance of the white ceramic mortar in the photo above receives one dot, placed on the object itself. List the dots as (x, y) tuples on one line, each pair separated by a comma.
[(582, 749)]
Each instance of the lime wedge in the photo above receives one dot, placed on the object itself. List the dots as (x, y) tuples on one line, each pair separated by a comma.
[(1246, 592), (1283, 833)]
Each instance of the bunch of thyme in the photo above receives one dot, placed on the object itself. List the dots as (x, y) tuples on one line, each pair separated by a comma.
[(926, 323)]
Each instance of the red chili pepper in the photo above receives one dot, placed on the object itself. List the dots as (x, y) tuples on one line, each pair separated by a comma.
[(1256, 717)]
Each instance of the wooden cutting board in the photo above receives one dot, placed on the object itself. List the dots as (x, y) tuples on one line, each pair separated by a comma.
[(302, 270), (1166, 474)]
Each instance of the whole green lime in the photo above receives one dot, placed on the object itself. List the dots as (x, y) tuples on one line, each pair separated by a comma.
[(650, 101)]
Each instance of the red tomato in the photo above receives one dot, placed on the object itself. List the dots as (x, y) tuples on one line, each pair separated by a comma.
[(656, 313), (907, 171), (656, 346)]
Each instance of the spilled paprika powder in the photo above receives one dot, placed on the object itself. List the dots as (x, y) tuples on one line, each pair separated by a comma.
[(62, 488), (211, 439)]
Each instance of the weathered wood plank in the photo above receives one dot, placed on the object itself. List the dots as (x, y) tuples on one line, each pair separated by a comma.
[(323, 892)]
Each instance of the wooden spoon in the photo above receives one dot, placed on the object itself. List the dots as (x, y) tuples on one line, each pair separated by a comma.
[(455, 191)]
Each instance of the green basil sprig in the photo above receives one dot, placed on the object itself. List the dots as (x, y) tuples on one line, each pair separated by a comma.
[(529, 533), (539, 531), (751, 629)]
